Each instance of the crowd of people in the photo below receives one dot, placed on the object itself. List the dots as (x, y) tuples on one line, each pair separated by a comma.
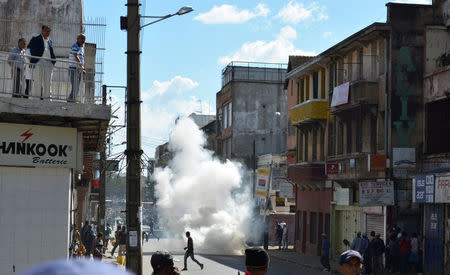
[(32, 66), (401, 252)]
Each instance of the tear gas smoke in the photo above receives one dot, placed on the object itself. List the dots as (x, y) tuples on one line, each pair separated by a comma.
[(200, 194)]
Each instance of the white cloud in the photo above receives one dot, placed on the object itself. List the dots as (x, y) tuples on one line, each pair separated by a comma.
[(295, 12), (276, 51), (176, 85), (424, 2), (228, 14), (326, 34)]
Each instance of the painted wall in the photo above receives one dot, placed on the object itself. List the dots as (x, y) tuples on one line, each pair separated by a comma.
[(34, 216)]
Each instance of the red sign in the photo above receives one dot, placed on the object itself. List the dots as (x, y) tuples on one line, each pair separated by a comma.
[(377, 163), (95, 183), (332, 168)]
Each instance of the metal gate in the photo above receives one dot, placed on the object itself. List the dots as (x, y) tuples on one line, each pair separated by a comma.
[(348, 223), (375, 223), (434, 239)]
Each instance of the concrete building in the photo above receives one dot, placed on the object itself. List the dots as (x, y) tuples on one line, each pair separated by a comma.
[(251, 111), (44, 144), (373, 90)]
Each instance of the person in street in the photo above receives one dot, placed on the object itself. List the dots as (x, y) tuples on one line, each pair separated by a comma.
[(116, 238), (162, 264), (369, 254), (279, 235), (285, 237), (122, 241), (42, 46), (84, 229), (367, 264), (190, 251), (144, 236), (98, 247), (256, 261), (89, 241), (405, 249), (16, 60), (325, 258), (108, 231), (392, 253), (350, 263), (377, 257), (76, 66), (414, 257), (357, 243)]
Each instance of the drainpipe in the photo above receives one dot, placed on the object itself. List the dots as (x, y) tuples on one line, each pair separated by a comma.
[(386, 99)]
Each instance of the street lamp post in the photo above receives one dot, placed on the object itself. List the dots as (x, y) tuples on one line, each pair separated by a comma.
[(134, 151)]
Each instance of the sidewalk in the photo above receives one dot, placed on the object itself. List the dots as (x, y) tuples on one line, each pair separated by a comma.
[(300, 259)]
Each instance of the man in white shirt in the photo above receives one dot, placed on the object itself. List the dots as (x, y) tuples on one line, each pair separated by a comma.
[(42, 46)]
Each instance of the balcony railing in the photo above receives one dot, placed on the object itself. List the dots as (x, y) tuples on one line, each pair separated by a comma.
[(309, 110), (41, 80), (253, 71)]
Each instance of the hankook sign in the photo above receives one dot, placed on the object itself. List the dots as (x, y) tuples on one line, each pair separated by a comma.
[(33, 145)]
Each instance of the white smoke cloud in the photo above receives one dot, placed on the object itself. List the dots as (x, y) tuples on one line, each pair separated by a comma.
[(198, 193)]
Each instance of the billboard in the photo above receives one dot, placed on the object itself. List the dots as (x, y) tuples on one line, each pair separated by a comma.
[(423, 189), (376, 193), (442, 190), (38, 146), (286, 190), (262, 182)]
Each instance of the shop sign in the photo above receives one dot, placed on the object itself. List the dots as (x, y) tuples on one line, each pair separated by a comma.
[(38, 146), (286, 190), (404, 157), (279, 201), (376, 163), (352, 163), (340, 94), (332, 168), (423, 189), (442, 190), (343, 196), (262, 182), (377, 193)]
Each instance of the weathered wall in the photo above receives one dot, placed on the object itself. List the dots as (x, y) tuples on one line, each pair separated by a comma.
[(25, 19), (255, 107)]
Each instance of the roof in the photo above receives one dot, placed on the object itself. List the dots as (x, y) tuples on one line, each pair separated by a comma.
[(297, 60), (202, 120)]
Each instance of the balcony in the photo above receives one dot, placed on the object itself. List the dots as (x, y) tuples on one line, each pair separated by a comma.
[(308, 175), (361, 92), (309, 111), (437, 85), (35, 97), (352, 167)]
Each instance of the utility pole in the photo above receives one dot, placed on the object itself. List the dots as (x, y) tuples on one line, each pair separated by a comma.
[(133, 152), (101, 197)]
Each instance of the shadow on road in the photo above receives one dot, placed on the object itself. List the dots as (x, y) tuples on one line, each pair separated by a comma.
[(234, 262)]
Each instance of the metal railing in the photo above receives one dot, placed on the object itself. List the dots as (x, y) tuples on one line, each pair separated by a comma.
[(42, 80), (254, 71)]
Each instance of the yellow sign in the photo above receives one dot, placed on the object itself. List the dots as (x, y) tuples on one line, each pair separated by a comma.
[(262, 182)]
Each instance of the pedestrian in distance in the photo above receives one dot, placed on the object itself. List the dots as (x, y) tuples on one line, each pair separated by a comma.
[(367, 265), (350, 263), (279, 235), (325, 258), (17, 62), (98, 247), (84, 230), (256, 261), (414, 257), (42, 46), (357, 242), (116, 238), (76, 66), (405, 249), (89, 241), (122, 241), (108, 231), (190, 251), (377, 257), (162, 264), (285, 237)]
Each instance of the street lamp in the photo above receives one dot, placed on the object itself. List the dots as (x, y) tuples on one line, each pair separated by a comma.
[(133, 151)]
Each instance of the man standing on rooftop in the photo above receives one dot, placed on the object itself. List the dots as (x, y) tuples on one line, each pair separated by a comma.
[(76, 66)]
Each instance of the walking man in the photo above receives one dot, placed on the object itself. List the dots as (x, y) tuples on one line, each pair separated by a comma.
[(17, 62), (325, 258), (76, 66), (89, 241), (377, 257), (190, 251), (279, 235), (42, 46), (285, 237), (108, 231), (116, 237)]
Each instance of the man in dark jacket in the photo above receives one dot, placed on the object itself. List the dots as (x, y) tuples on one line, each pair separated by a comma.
[(41, 46), (190, 251), (377, 257)]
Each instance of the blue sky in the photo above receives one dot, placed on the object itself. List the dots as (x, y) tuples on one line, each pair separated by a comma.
[(182, 57)]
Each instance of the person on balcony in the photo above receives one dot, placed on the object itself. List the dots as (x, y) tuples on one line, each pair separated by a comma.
[(41, 46), (76, 66), (17, 61)]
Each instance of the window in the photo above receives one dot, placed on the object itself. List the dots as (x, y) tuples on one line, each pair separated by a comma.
[(438, 127), (299, 221), (322, 144), (229, 148), (314, 145), (225, 118), (349, 136), (307, 88), (360, 61), (332, 76), (315, 85), (230, 116), (306, 149), (312, 227), (220, 121), (302, 90), (331, 138), (340, 138), (299, 146)]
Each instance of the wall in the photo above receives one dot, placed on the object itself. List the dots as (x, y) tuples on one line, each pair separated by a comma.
[(34, 216), (292, 100), (254, 117), (25, 19)]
